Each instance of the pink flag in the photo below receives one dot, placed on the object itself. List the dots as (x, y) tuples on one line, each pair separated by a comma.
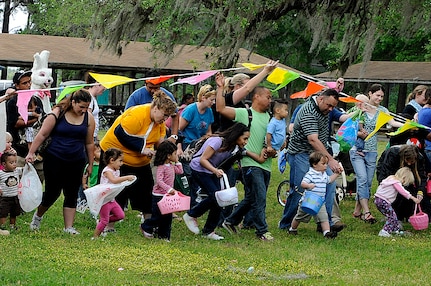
[(196, 78), (23, 100)]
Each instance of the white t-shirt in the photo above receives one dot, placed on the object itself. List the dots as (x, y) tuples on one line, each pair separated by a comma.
[(95, 110)]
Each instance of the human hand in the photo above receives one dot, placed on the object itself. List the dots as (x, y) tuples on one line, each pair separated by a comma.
[(220, 79), (30, 157), (131, 177), (172, 192), (149, 152), (219, 173), (270, 66), (271, 152), (311, 186), (335, 166)]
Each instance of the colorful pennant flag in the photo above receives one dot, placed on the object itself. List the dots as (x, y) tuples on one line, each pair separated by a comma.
[(312, 88), (252, 67), (408, 125), (196, 78), (348, 99), (382, 119), (67, 90), (160, 79), (23, 98), (281, 77), (109, 80)]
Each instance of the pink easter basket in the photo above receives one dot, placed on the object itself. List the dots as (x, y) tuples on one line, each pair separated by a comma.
[(419, 220), (174, 203)]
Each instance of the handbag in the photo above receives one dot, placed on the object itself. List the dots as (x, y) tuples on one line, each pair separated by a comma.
[(29, 189), (174, 203), (227, 195), (419, 220)]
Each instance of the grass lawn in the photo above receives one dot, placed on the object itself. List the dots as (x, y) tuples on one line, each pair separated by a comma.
[(356, 257)]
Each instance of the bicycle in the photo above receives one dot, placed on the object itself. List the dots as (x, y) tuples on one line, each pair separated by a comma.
[(106, 118)]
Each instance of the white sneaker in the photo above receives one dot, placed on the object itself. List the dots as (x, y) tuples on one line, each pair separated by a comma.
[(191, 223), (71, 230), (384, 233), (35, 222), (214, 236), (4, 232)]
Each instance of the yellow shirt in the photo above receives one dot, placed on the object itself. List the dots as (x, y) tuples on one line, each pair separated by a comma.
[(127, 127)]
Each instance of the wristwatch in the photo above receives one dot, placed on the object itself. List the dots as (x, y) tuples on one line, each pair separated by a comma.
[(174, 136)]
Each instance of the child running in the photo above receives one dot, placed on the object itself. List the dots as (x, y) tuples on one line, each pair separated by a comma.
[(167, 164), (9, 181), (387, 193), (316, 180), (111, 211)]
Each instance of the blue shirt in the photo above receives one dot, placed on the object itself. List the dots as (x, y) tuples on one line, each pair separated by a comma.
[(142, 96), (277, 129), (198, 123)]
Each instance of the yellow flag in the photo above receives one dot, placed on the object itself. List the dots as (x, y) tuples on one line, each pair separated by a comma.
[(382, 119), (277, 75), (252, 67), (109, 80)]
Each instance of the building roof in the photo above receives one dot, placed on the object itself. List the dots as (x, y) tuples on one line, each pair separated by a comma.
[(384, 72), (76, 53)]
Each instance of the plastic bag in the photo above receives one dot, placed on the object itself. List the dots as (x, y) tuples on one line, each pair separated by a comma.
[(347, 134), (99, 195), (29, 189)]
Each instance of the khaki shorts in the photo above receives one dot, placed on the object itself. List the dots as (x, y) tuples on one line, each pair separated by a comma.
[(322, 215)]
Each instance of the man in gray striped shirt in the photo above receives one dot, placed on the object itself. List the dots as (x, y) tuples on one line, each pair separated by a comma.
[(310, 133)]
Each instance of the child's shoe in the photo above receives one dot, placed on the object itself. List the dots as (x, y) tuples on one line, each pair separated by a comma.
[(331, 234)]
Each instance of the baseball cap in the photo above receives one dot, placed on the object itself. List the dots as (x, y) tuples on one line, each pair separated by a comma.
[(19, 75)]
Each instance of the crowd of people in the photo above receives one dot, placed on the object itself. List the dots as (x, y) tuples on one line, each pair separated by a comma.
[(145, 145)]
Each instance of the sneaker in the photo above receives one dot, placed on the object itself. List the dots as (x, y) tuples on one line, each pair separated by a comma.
[(4, 232), (331, 235), (214, 236), (338, 226), (146, 234), (70, 230), (402, 233), (35, 222), (293, 231), (191, 223), (229, 227), (13, 227), (267, 236), (384, 233)]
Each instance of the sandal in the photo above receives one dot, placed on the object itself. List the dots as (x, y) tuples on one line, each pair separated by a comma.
[(359, 216), (368, 217)]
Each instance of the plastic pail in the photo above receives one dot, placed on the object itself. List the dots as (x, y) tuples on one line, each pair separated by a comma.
[(311, 203)]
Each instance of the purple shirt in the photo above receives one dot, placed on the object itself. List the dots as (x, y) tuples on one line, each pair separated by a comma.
[(215, 160)]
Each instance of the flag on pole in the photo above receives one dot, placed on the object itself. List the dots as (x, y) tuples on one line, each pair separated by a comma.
[(109, 80), (382, 119), (196, 78), (23, 98), (281, 77), (252, 67), (312, 88), (67, 90), (160, 79)]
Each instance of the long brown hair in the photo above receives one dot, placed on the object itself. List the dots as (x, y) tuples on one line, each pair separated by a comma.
[(80, 95), (410, 153)]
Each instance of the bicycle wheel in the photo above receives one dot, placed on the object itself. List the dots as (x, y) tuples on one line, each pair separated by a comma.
[(283, 192)]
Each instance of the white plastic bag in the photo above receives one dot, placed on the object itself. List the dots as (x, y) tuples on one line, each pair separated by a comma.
[(227, 195), (99, 195), (29, 189)]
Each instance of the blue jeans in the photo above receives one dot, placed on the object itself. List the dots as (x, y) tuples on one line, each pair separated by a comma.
[(299, 166), (364, 167), (157, 220), (256, 185), (209, 183)]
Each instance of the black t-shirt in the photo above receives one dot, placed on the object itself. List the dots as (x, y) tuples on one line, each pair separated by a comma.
[(225, 123)]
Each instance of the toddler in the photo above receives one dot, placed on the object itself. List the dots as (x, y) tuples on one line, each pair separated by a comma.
[(166, 160), (8, 147), (111, 211), (387, 193), (276, 129), (9, 182), (316, 180), (362, 133)]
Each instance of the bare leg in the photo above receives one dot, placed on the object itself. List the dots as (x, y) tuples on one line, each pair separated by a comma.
[(69, 217)]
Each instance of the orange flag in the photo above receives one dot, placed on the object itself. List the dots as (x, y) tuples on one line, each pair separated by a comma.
[(348, 99), (312, 88), (160, 79), (382, 119)]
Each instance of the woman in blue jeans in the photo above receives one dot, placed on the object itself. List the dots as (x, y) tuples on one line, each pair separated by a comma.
[(364, 163), (205, 171)]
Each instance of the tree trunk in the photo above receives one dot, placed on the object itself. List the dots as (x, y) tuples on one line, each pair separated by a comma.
[(6, 16)]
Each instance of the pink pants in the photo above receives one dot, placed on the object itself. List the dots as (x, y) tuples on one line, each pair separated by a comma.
[(110, 212)]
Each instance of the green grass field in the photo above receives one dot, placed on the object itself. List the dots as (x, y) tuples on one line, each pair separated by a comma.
[(356, 257)]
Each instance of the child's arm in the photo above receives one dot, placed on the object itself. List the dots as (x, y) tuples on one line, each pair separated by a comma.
[(161, 183), (116, 180), (400, 189), (308, 186), (178, 168), (333, 177), (269, 148)]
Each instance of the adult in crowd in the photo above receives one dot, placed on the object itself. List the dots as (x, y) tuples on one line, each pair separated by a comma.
[(415, 100), (206, 171), (310, 133), (95, 89), (390, 162), (256, 174), (70, 127), (186, 100), (365, 164), (14, 122), (138, 132), (424, 118), (145, 94)]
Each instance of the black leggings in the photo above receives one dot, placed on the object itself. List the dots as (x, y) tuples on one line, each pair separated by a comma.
[(61, 175)]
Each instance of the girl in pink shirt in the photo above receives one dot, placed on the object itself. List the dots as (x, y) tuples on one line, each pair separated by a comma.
[(386, 194), (167, 164)]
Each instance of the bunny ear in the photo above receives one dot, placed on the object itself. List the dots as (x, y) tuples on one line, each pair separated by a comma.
[(40, 60)]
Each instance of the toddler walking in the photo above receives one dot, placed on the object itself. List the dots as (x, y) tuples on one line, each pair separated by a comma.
[(166, 160), (9, 182), (387, 193), (316, 180), (276, 129), (111, 211)]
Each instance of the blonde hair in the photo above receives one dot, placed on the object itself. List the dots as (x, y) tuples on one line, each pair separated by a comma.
[(362, 97), (416, 90), (163, 102), (206, 91), (228, 87), (238, 79), (9, 137), (405, 175)]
